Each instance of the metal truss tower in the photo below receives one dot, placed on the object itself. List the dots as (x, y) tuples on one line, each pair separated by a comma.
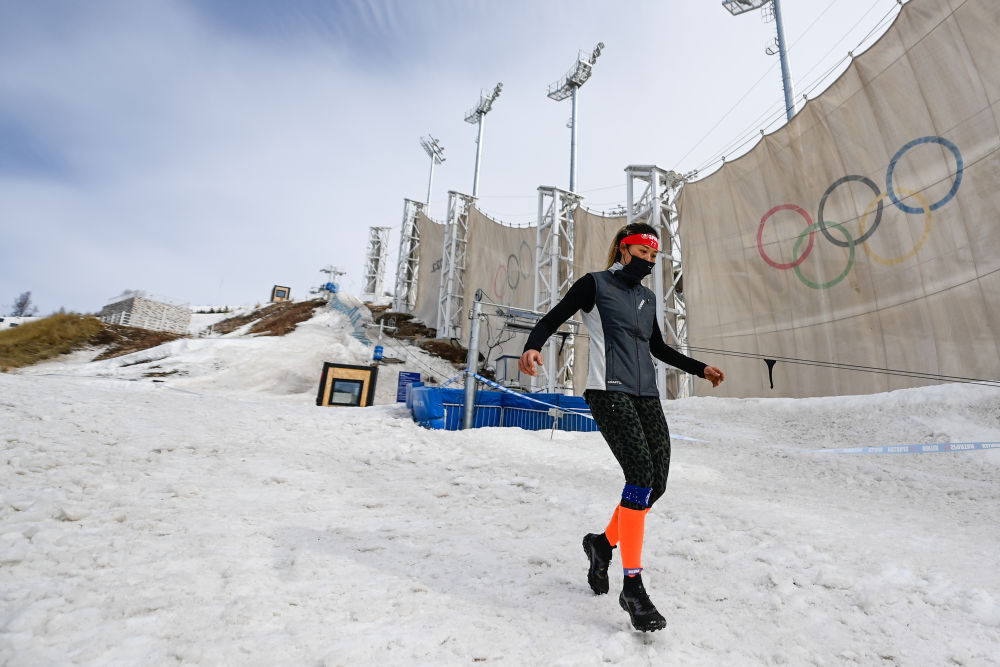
[(405, 296), (377, 257), (456, 237), (651, 197), (555, 250)]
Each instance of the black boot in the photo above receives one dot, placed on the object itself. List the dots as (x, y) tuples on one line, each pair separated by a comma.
[(636, 602), (598, 550)]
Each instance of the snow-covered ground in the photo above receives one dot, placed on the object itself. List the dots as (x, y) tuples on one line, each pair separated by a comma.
[(218, 517)]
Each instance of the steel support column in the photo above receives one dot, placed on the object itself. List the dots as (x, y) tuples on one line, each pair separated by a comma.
[(554, 254), (376, 258), (452, 294), (405, 297), (651, 196)]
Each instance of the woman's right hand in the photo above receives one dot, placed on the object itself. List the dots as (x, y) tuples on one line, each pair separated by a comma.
[(526, 364)]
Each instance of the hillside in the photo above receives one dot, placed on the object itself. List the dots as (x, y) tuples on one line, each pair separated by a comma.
[(278, 349)]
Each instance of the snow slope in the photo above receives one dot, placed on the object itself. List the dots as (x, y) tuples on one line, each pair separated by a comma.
[(220, 518)]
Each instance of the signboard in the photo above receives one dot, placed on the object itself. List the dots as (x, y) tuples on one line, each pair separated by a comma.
[(406, 378), (347, 385)]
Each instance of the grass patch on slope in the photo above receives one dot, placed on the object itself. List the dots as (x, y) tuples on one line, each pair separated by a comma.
[(276, 319), (46, 338), (63, 333)]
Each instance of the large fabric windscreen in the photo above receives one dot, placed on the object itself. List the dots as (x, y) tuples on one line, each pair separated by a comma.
[(864, 234), (429, 252), (500, 260)]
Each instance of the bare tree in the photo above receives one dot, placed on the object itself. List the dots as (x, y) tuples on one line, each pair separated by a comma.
[(23, 306)]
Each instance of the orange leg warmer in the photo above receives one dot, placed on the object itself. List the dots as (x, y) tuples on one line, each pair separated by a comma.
[(631, 529), (611, 532)]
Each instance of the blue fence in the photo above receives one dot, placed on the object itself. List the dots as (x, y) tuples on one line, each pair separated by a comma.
[(434, 407)]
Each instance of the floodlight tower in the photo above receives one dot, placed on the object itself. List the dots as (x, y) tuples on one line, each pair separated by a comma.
[(772, 11), (476, 115), (436, 153), (567, 87)]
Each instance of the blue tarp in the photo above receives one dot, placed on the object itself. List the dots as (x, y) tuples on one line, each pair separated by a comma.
[(434, 407)]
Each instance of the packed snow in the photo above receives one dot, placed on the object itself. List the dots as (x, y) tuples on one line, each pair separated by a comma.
[(213, 515)]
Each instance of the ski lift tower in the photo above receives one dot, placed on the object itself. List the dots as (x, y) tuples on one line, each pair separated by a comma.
[(477, 115), (771, 12), (332, 273), (568, 87), (378, 253)]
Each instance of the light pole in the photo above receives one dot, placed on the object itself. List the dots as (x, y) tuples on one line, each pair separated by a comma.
[(567, 87), (772, 10), (436, 153), (476, 115)]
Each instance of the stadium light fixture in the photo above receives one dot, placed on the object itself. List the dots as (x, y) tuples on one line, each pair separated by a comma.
[(772, 11), (475, 115), (737, 7), (567, 87), (435, 152)]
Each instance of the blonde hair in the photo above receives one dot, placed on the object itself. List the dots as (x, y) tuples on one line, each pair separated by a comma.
[(627, 230)]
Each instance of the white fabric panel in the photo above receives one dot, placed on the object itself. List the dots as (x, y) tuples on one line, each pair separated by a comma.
[(430, 252), (500, 260), (901, 156)]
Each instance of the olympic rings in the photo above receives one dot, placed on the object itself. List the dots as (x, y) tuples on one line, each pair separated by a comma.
[(875, 206), (822, 203), (850, 260), (522, 261), (760, 236), (516, 272), (927, 229), (502, 283), (959, 168), (513, 270)]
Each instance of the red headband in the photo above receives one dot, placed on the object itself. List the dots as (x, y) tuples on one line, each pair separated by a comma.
[(641, 239)]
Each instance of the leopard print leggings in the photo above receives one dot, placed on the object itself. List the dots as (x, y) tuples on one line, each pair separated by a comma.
[(636, 431)]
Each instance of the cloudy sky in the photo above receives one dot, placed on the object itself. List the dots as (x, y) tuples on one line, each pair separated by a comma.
[(205, 150)]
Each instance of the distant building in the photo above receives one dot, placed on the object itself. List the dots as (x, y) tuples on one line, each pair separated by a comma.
[(11, 321), (138, 309), (280, 293)]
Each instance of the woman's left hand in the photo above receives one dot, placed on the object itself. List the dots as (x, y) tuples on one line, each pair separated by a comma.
[(714, 375)]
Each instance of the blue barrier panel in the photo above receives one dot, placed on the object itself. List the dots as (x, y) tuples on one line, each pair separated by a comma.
[(437, 407), (409, 394), (427, 408)]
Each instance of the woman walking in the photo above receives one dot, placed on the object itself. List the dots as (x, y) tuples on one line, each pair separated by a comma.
[(620, 316)]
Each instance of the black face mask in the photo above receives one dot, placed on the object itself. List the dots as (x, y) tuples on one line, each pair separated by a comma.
[(636, 270)]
